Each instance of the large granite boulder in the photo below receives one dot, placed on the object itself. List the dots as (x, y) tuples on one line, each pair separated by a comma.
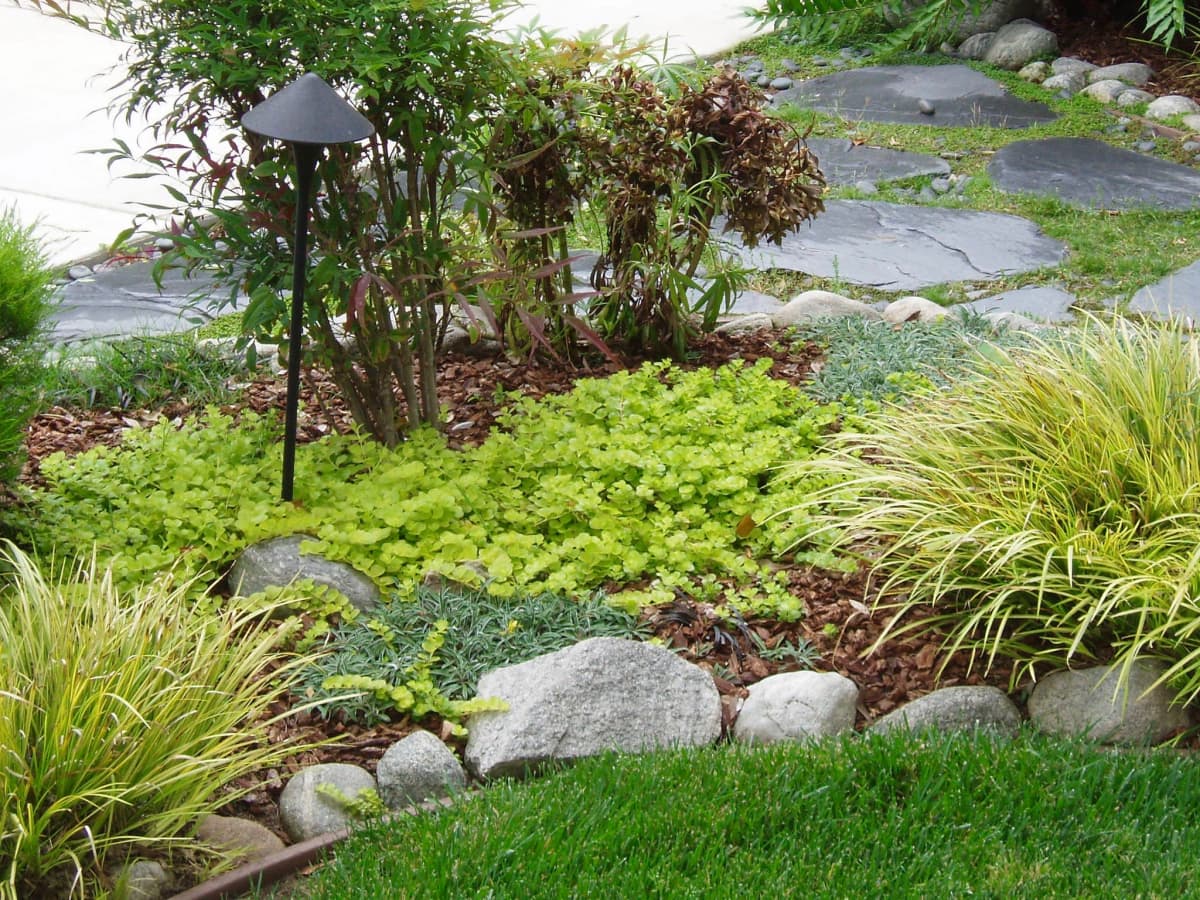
[(280, 561), (600, 694), (959, 708), (1093, 703), (797, 706)]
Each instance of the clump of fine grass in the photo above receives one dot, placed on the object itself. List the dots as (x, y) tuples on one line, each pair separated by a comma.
[(1049, 507), (889, 816), (123, 715), (143, 371)]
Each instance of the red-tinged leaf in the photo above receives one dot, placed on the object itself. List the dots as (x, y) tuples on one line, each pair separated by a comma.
[(536, 326), (549, 269), (592, 337), (576, 297), (746, 526), (532, 232), (357, 304)]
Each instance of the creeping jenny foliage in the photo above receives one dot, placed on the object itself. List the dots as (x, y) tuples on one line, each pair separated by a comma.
[(644, 479)]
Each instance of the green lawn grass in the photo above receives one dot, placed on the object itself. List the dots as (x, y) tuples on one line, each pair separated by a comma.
[(875, 816)]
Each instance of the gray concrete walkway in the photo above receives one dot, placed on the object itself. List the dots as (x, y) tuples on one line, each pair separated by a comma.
[(54, 92)]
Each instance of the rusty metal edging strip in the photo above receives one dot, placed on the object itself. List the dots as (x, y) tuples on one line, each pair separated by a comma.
[(274, 868)]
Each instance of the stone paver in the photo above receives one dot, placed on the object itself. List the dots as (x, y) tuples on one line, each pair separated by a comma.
[(1176, 295), (1046, 304), (1092, 173), (916, 95), (906, 248), (844, 162)]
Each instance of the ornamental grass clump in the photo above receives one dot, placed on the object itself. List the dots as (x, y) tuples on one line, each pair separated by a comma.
[(125, 717), (1049, 508)]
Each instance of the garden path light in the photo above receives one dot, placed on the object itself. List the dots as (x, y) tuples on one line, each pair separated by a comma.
[(309, 115)]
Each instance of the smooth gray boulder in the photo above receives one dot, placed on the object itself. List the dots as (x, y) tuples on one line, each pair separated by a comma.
[(305, 812), (1070, 65), (280, 561), (957, 94), (959, 708), (1105, 91), (1090, 703), (843, 162), (242, 839), (1048, 304), (913, 309), (1176, 295), (601, 694), (896, 247), (1172, 105), (1072, 82), (1094, 174), (812, 306), (797, 706), (976, 46), (1019, 43), (1136, 74), (416, 768), (1133, 96)]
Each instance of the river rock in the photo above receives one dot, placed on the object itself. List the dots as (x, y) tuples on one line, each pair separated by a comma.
[(1133, 96), (417, 768), (913, 309), (797, 706), (242, 839), (1089, 703), (305, 812), (1035, 72), (1018, 43), (976, 46), (1066, 65), (1172, 105), (1106, 91), (279, 561), (958, 708), (1072, 82), (1136, 74)]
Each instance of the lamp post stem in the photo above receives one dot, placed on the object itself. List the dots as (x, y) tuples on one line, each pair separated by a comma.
[(306, 165)]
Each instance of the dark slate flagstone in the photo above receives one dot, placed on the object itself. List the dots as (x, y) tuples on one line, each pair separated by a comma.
[(1094, 174), (844, 162), (1047, 304), (906, 248), (956, 94), (1177, 294)]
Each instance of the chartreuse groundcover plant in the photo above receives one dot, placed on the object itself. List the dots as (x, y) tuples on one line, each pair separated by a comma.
[(649, 480), (125, 717), (1049, 507)]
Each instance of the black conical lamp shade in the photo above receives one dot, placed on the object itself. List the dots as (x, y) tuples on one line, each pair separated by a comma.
[(307, 111)]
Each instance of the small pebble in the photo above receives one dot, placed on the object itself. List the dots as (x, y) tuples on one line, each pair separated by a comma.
[(1191, 146), (788, 65), (1115, 129), (756, 66), (927, 195), (848, 53), (77, 272), (764, 81), (819, 61), (866, 187), (940, 185), (961, 184), (953, 154), (1124, 120), (925, 107), (164, 244), (781, 84), (1146, 146)]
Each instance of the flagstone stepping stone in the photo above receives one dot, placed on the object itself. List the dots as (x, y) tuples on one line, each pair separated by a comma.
[(906, 248), (1094, 174), (125, 301), (952, 95), (844, 162), (1177, 294), (1049, 304)]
